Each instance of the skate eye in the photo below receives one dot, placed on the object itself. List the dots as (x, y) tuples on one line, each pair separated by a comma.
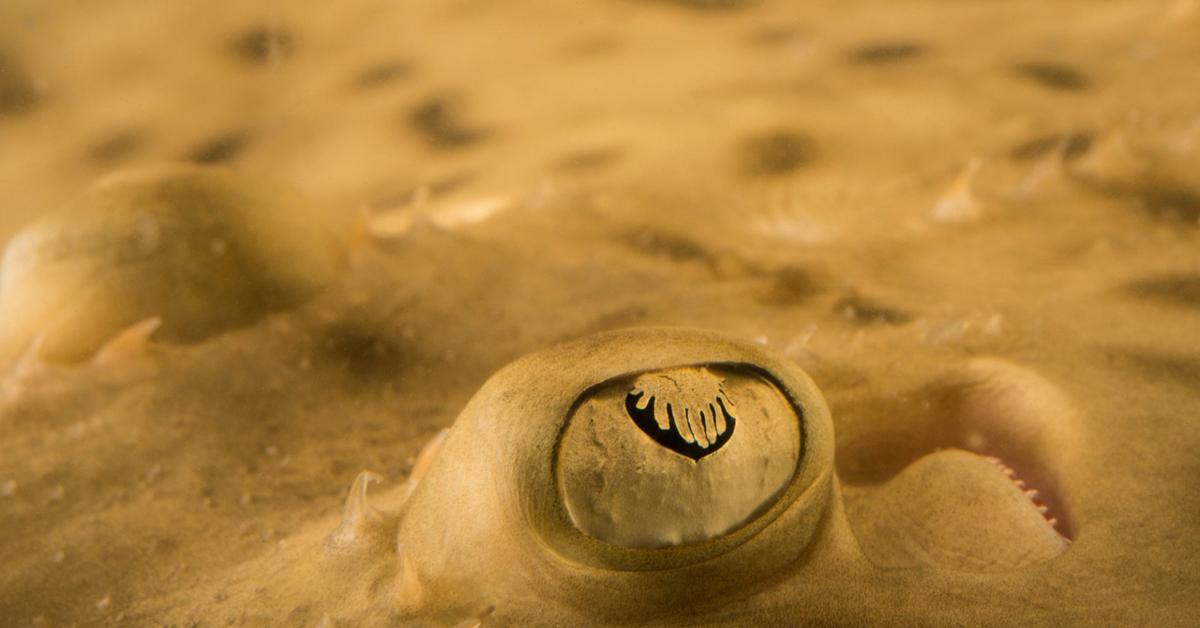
[(626, 467), (677, 456)]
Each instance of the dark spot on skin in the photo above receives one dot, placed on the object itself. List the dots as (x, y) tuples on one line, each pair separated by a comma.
[(439, 121), (667, 245), (1074, 145), (261, 45), (776, 152), (118, 145), (591, 159), (1053, 75), (1167, 200), (791, 286), (1175, 289), (220, 149), (18, 93), (864, 312), (1157, 196), (382, 74), (362, 350), (886, 52)]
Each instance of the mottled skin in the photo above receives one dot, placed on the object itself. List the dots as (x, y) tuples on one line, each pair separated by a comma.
[(791, 174)]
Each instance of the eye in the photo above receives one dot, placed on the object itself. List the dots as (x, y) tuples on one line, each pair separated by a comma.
[(677, 456), (633, 464)]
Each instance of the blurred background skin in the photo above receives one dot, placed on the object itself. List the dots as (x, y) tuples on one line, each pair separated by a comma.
[(361, 103)]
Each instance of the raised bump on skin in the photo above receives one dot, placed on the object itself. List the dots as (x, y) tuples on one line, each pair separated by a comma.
[(365, 525), (960, 204), (360, 520), (129, 343), (202, 249)]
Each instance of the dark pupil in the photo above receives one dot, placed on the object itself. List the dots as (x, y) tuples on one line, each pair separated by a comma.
[(670, 437)]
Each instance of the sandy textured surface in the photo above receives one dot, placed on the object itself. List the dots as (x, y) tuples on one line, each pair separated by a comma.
[(975, 225)]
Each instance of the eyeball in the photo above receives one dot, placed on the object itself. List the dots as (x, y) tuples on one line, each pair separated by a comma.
[(677, 456)]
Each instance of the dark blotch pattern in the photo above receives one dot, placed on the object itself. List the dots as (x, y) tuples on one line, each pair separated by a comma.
[(261, 45), (363, 350), (791, 286), (1175, 289), (776, 152), (382, 74), (220, 149), (117, 145), (18, 93), (1168, 200), (1054, 75), (886, 52), (1158, 196), (1074, 144), (439, 121), (864, 312)]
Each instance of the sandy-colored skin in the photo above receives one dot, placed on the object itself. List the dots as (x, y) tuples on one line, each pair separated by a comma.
[(973, 225), (199, 250)]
